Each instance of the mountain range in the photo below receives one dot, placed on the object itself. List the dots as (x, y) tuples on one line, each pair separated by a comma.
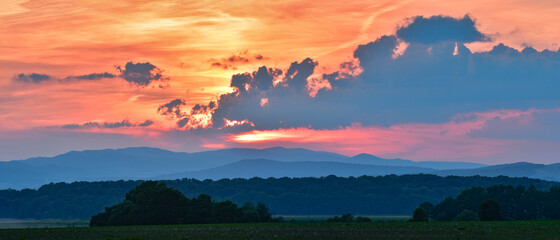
[(154, 163)]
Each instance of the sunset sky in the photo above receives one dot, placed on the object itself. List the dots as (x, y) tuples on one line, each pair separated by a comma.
[(474, 81)]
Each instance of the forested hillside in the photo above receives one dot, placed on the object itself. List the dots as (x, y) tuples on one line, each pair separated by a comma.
[(366, 195), (515, 203)]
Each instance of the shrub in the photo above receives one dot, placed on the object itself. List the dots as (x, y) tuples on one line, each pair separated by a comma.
[(489, 210), (466, 215), (419, 215)]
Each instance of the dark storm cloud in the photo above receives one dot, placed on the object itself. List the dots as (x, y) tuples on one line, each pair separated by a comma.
[(141, 74), (440, 28), (426, 83), (122, 124)]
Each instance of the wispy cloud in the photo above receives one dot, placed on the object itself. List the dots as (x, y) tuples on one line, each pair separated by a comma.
[(122, 124), (233, 61)]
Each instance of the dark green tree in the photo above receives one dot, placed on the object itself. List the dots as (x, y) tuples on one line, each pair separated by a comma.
[(428, 207), (347, 217), (466, 215), (489, 210), (362, 219), (150, 203), (226, 212), (264, 213), (419, 215), (249, 213), (201, 209)]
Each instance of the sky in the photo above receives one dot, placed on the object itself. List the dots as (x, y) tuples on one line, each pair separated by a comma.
[(473, 81)]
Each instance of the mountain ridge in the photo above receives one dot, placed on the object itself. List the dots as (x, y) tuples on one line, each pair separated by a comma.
[(265, 168), (147, 162)]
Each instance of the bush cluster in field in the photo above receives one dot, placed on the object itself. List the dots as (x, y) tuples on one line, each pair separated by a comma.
[(153, 203), (348, 217)]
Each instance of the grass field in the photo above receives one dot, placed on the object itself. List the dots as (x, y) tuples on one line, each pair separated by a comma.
[(298, 230), (19, 223), (324, 218)]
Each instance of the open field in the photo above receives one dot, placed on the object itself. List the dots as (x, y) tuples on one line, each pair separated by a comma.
[(30, 223), (324, 218), (316, 230)]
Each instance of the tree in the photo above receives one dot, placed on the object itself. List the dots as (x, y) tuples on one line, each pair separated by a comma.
[(466, 215), (226, 212), (428, 207), (362, 219), (489, 210), (249, 213), (419, 215), (347, 217), (201, 209), (150, 203), (263, 212)]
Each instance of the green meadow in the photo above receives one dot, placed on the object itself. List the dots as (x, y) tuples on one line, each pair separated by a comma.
[(304, 230), (30, 223)]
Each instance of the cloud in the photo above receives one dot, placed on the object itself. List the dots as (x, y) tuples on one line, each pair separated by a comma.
[(298, 73), (423, 83), (146, 123), (199, 116), (172, 109), (32, 78), (524, 138), (142, 74), (122, 124), (39, 78), (92, 76), (531, 125), (439, 29), (233, 61)]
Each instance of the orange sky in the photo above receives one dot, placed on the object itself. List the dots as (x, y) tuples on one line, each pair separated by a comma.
[(183, 38)]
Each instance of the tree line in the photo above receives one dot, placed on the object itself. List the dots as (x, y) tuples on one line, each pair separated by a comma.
[(153, 203), (498, 202), (331, 195)]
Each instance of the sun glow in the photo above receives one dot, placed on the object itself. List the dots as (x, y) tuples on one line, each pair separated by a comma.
[(263, 136)]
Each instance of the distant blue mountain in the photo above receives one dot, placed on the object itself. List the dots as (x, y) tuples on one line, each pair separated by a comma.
[(265, 168), (147, 163), (370, 159), (521, 169)]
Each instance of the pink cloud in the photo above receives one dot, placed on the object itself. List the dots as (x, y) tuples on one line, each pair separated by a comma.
[(418, 141)]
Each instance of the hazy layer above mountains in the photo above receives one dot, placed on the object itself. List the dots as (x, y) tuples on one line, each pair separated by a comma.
[(154, 163)]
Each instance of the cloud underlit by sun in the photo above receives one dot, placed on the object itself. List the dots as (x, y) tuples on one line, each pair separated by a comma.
[(429, 80)]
